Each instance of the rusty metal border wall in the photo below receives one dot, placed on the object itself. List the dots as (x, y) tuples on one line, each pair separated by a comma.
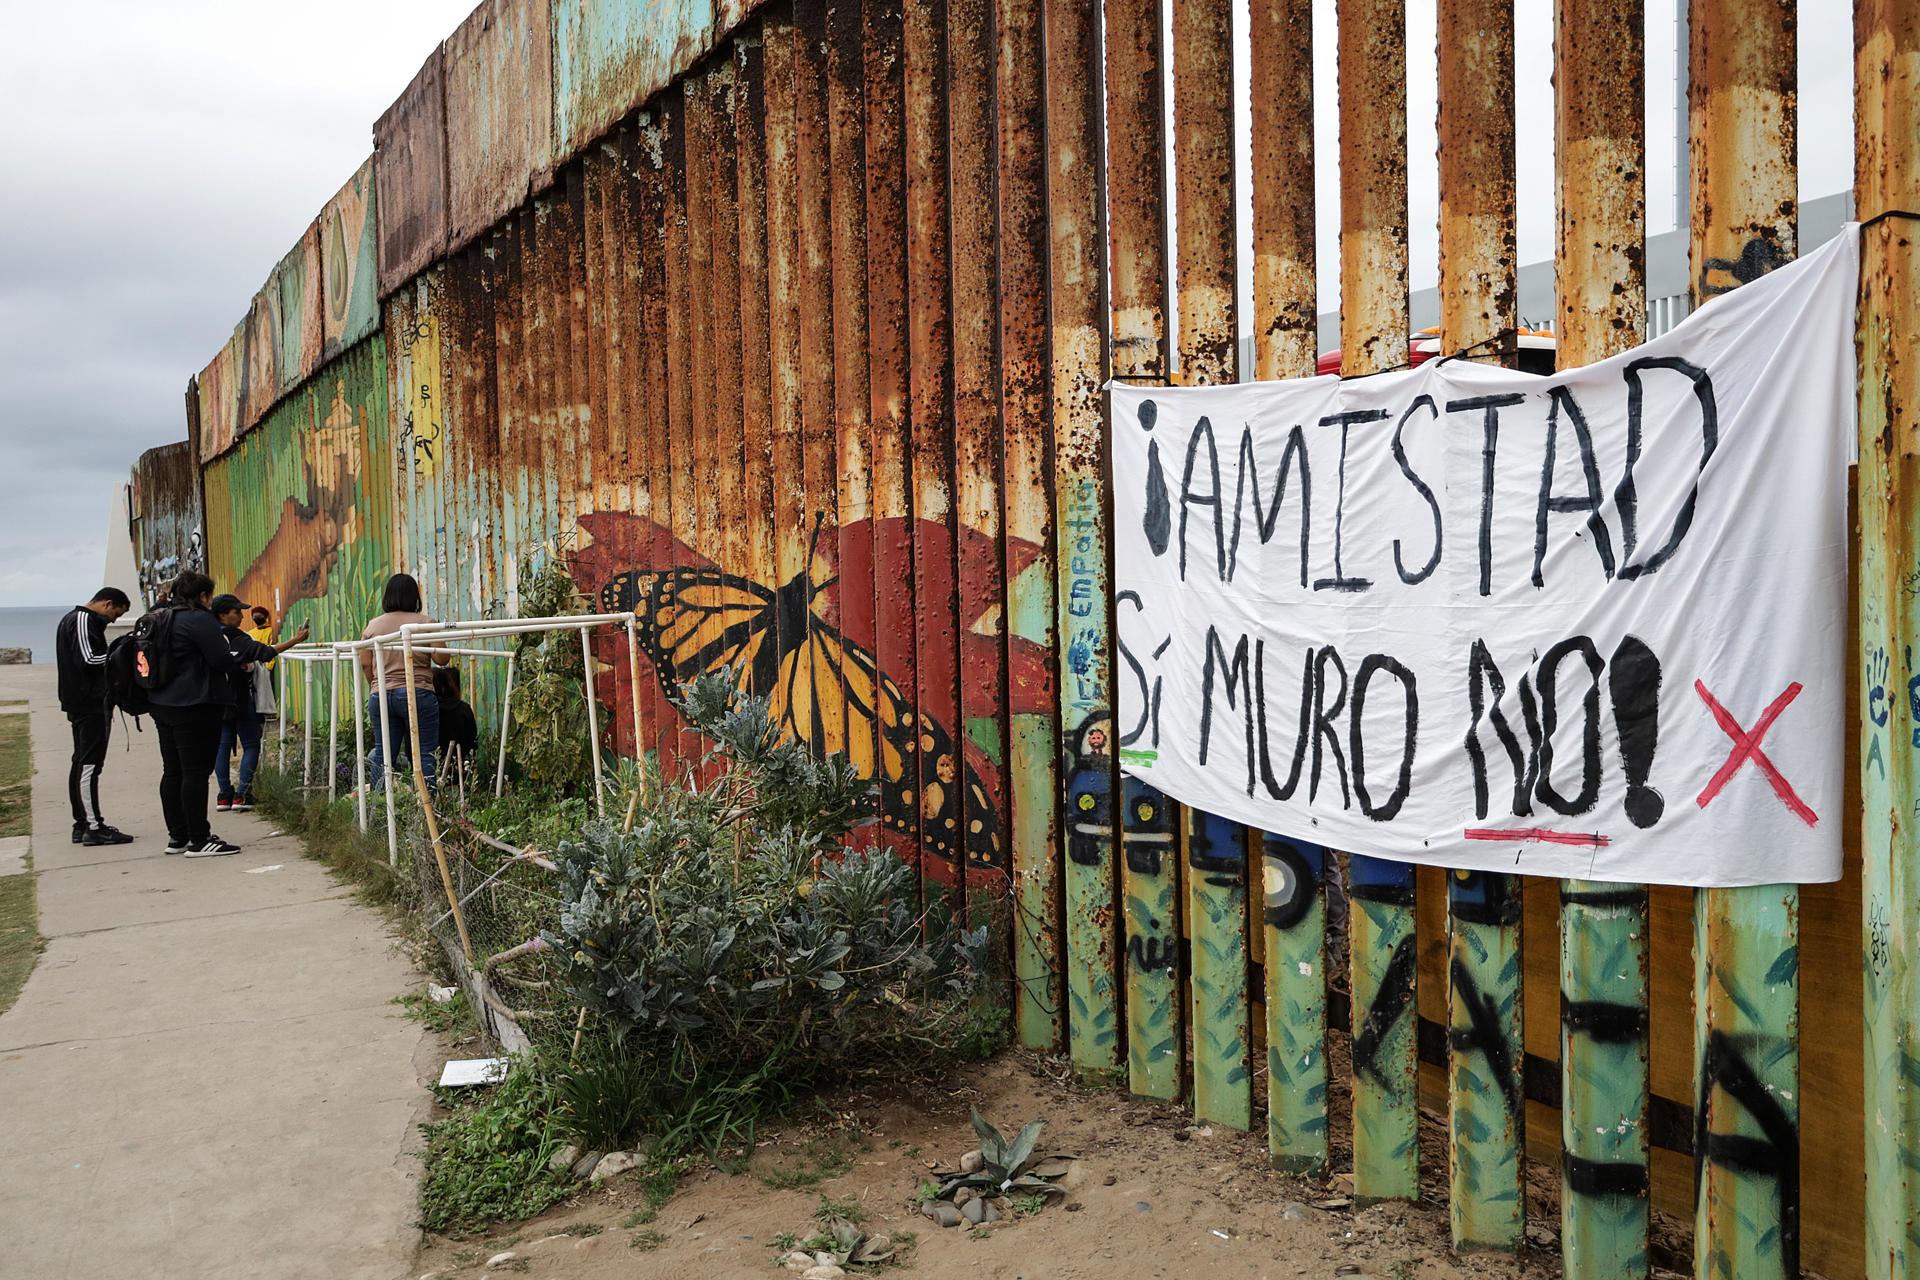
[(800, 308)]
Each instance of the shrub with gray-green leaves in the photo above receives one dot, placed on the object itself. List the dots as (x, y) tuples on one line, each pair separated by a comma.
[(736, 924)]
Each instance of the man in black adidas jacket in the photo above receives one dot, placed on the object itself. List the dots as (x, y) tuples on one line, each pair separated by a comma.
[(80, 652)]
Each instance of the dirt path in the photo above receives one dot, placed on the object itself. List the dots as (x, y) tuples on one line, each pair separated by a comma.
[(1151, 1196), (205, 1076)]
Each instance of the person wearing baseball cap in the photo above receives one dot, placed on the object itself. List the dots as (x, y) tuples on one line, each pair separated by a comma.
[(241, 726)]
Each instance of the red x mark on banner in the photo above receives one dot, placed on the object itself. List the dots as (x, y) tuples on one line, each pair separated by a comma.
[(1746, 746)]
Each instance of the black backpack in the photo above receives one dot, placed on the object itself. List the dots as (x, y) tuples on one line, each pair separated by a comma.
[(123, 683), (140, 662)]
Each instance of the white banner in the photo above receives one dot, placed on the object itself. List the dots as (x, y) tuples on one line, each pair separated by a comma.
[(1589, 625)]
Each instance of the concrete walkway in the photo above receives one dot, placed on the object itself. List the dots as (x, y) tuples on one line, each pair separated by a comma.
[(206, 1075)]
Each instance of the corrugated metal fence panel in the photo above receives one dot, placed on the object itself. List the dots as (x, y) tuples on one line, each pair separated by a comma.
[(301, 511), (499, 114), (167, 538), (350, 264), (259, 356), (410, 176), (297, 283), (609, 56), (219, 385)]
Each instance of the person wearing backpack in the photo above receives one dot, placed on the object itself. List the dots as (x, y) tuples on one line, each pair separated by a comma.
[(80, 654), (191, 670)]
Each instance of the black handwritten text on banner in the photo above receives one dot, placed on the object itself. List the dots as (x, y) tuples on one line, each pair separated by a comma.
[(1588, 625)]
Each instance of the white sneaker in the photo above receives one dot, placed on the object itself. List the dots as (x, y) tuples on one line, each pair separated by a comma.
[(211, 847)]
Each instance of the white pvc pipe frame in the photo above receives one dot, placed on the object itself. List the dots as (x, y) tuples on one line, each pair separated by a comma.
[(438, 633)]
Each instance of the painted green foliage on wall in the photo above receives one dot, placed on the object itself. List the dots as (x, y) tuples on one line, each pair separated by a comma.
[(303, 505)]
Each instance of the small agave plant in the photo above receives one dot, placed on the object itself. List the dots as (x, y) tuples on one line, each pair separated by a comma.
[(1009, 1168)]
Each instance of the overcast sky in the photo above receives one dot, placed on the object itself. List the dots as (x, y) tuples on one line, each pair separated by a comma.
[(161, 159)]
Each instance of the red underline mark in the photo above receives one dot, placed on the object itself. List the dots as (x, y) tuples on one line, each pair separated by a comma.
[(1538, 835)]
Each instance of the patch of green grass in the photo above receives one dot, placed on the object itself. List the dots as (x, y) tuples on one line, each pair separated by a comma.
[(658, 1186), (582, 1230), (785, 1241), (453, 1017), (820, 1159), (1027, 1206), (488, 1161), (927, 1192), (648, 1240), (16, 777), (845, 1209), (20, 940)]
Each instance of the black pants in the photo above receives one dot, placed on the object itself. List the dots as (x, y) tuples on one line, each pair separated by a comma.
[(189, 741), (91, 729)]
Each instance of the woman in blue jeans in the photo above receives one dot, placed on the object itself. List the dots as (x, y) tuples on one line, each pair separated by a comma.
[(400, 605)]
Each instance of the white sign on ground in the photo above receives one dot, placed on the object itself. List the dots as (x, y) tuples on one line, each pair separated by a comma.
[(1588, 625)]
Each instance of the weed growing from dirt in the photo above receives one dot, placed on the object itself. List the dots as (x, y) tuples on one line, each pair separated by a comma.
[(583, 1229), (821, 1159), (657, 1185), (647, 1241), (842, 1210), (488, 1160), (453, 1017)]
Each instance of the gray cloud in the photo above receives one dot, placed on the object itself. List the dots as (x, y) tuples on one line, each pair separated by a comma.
[(160, 159)]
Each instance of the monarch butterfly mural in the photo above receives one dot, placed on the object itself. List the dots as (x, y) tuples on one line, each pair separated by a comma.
[(823, 688)]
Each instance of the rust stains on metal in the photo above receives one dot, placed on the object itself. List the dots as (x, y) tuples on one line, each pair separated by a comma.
[(813, 167), (887, 388), (1373, 186), (750, 128), (1204, 190), (979, 573), (1600, 157), (1033, 749), (1478, 261), (945, 804), (729, 540), (1285, 309), (609, 56), (1742, 110), (410, 175), (499, 91), (786, 396), (1137, 186), (164, 508), (852, 409)]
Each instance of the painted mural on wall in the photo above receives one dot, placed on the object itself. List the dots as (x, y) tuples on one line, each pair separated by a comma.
[(300, 511), (164, 506), (825, 689)]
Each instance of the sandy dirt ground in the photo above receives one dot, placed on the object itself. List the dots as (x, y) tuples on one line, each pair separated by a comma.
[(1151, 1195)]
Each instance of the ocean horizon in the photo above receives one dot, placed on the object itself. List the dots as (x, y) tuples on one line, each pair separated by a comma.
[(31, 627)]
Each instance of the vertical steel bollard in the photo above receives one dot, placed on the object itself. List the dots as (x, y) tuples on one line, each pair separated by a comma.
[(1033, 734), (1746, 941), (1479, 285), (1076, 307), (1887, 177), (1149, 822), (1217, 852), (1285, 345), (1600, 264), (1373, 336)]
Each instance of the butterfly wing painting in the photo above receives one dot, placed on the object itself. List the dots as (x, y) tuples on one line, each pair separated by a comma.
[(823, 689)]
